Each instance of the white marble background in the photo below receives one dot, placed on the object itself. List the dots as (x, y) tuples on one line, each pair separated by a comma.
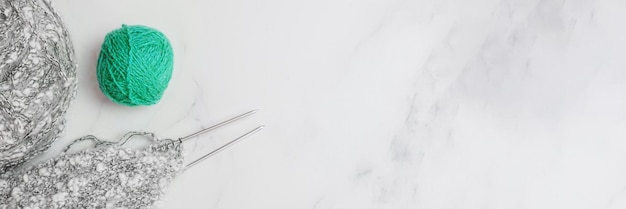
[(403, 104)]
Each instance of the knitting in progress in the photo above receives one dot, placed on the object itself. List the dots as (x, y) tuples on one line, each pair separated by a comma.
[(109, 175), (37, 79)]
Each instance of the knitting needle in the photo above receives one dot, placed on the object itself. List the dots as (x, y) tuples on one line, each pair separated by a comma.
[(183, 139), (253, 131)]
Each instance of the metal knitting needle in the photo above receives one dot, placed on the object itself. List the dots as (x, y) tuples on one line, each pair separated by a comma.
[(212, 153), (183, 139)]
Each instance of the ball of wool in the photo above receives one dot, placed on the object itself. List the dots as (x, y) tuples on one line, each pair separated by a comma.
[(37, 79), (135, 65)]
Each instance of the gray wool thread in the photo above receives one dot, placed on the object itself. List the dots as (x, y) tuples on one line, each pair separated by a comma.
[(37, 79)]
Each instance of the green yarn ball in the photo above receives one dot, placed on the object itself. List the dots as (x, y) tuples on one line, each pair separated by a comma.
[(135, 65)]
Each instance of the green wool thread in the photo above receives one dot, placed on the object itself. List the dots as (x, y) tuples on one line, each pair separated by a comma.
[(135, 65)]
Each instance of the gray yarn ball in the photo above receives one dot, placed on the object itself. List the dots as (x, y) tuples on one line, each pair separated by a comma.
[(37, 79)]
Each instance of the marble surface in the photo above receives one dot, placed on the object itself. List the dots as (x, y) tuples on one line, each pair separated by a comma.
[(379, 103)]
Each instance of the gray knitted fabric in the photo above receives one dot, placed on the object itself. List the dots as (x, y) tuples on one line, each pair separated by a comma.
[(108, 176), (37, 79)]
